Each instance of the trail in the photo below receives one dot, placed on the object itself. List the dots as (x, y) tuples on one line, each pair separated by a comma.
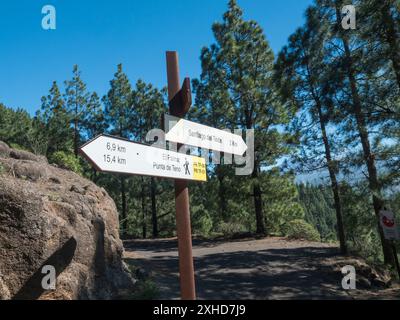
[(270, 268)]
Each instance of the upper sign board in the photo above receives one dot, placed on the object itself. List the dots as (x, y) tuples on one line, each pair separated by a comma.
[(190, 133)]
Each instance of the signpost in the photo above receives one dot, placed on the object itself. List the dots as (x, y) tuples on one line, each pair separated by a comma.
[(198, 135), (180, 100), (116, 155)]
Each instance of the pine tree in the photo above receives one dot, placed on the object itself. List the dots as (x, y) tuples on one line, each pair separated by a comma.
[(15, 127), (149, 105), (76, 101), (57, 122), (303, 85), (118, 106), (37, 137), (212, 108), (380, 26), (319, 209), (344, 51), (238, 69), (119, 116), (94, 123)]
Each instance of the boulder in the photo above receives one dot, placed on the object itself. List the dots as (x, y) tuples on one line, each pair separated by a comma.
[(24, 155), (4, 149), (54, 217), (367, 276)]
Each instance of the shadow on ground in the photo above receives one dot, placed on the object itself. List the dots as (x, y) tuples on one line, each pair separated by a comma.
[(167, 245), (288, 273)]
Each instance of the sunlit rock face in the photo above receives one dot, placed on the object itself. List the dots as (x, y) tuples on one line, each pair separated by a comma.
[(54, 217)]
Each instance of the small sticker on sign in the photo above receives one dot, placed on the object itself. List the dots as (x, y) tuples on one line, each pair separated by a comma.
[(388, 223)]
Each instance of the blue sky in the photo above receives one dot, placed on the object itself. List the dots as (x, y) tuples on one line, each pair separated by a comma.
[(99, 34)]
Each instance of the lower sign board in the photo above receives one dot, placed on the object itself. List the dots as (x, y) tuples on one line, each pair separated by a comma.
[(116, 155)]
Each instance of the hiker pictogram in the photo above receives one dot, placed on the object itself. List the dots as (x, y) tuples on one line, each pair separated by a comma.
[(186, 166)]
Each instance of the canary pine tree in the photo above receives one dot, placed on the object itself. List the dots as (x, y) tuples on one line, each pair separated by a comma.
[(305, 89), (76, 102), (237, 71), (119, 116), (56, 120)]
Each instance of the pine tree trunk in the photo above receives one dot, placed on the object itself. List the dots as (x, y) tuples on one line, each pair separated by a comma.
[(76, 139), (334, 182), (222, 198), (257, 194), (369, 158), (94, 175), (76, 131), (392, 40), (123, 206), (154, 208), (144, 227)]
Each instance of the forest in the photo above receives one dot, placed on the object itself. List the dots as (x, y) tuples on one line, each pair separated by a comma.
[(326, 106)]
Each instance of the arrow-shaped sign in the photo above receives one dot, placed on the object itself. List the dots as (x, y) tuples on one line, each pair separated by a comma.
[(190, 133), (116, 155)]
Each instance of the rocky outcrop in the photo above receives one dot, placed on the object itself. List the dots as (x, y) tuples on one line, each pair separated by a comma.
[(54, 217), (367, 276)]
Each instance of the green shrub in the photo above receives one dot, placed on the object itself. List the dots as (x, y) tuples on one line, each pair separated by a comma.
[(204, 225), (145, 287), (231, 228), (16, 146), (66, 161), (300, 229), (146, 290)]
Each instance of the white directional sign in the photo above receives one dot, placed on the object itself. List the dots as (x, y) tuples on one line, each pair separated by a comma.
[(111, 154), (190, 133)]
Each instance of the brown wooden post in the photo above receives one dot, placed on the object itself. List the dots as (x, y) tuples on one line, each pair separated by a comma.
[(180, 101)]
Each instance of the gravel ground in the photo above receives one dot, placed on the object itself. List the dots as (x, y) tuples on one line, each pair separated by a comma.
[(269, 268)]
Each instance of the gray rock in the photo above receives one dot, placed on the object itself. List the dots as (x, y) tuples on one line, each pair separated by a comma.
[(76, 230), (29, 170), (24, 155), (141, 274), (4, 293), (379, 283), (4, 149), (54, 180), (363, 283), (78, 189)]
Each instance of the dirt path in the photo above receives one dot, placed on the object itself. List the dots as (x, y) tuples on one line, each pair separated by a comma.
[(270, 268)]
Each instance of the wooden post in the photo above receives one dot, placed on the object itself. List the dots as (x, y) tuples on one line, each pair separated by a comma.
[(180, 101)]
